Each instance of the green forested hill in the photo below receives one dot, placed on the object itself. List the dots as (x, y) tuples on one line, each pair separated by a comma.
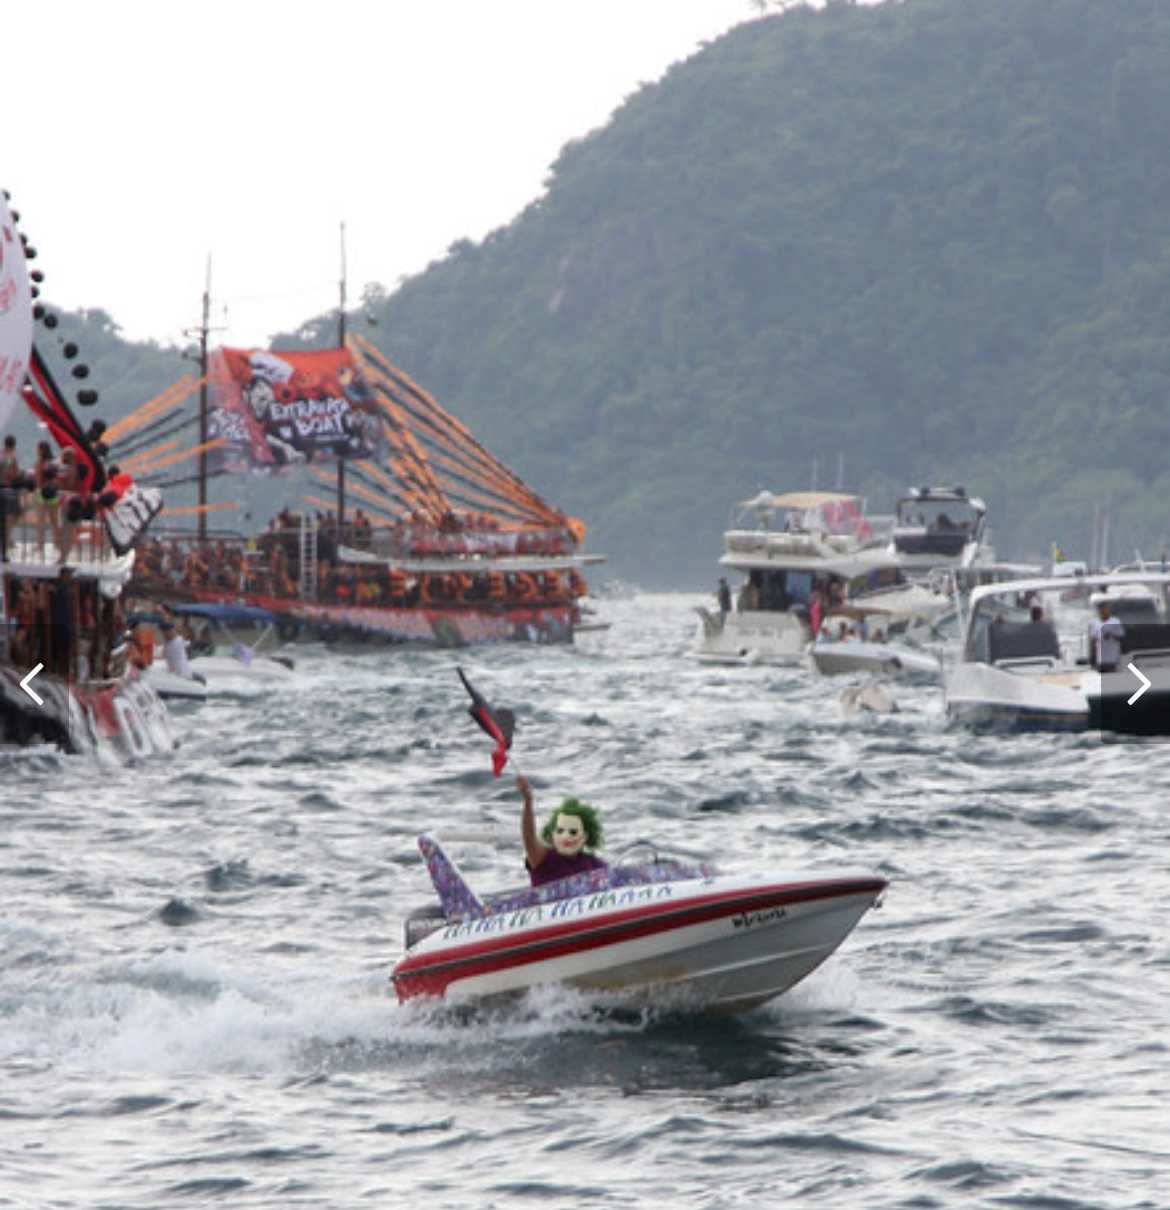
[(919, 241), (922, 241)]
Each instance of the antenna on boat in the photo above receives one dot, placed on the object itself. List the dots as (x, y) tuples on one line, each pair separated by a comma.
[(341, 345)]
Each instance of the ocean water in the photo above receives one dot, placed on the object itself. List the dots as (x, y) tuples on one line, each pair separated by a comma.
[(194, 1006)]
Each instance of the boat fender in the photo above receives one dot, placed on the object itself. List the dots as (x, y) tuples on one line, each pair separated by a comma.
[(82, 732), (131, 727)]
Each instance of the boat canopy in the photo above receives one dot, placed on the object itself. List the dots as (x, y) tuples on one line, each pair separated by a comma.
[(802, 501), (1038, 584), (226, 614)]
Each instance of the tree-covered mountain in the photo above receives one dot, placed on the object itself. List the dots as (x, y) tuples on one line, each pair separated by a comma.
[(922, 241)]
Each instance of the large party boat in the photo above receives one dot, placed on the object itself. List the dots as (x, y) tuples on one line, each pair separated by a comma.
[(446, 545), (69, 526)]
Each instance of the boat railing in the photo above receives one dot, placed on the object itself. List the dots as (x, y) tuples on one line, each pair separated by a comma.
[(768, 542), (40, 535)]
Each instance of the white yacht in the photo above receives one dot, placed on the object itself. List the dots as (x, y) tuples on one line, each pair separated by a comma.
[(940, 527), (942, 542), (796, 554)]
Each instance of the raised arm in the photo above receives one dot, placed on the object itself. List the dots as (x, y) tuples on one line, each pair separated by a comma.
[(534, 847)]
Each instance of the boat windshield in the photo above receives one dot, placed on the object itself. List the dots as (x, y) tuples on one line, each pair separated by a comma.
[(937, 523), (459, 901)]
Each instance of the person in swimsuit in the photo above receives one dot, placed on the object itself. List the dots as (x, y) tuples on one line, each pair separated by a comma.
[(564, 846)]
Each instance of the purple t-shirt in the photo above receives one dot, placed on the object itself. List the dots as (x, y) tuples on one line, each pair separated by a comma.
[(554, 867)]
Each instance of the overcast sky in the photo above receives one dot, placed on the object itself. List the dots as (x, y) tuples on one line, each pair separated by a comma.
[(144, 139)]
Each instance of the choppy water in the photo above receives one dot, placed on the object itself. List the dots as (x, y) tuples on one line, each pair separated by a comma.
[(193, 955)]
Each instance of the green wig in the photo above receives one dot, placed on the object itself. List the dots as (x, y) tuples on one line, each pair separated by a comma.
[(590, 821)]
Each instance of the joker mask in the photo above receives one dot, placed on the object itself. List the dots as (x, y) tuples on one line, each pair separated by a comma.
[(568, 835)]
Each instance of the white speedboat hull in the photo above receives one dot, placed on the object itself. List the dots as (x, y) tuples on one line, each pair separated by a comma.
[(986, 695), (881, 659), (172, 687), (1026, 674), (262, 670), (719, 943)]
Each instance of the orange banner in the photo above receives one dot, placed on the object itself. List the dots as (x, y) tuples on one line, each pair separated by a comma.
[(275, 408)]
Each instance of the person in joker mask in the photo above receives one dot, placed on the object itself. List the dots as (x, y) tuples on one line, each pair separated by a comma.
[(565, 844)]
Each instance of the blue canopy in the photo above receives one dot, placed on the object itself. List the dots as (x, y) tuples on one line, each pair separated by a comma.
[(229, 615)]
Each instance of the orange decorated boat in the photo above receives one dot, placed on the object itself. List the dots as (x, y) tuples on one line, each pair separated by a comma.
[(428, 539)]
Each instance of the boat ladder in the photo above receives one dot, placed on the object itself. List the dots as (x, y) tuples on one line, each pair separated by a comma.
[(308, 560)]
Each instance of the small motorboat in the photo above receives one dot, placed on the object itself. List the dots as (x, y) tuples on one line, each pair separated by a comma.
[(235, 643), (656, 930)]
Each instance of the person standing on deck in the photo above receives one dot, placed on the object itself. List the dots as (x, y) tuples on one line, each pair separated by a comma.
[(1106, 634)]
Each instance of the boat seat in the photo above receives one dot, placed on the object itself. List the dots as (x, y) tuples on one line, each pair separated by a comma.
[(1145, 636), (1022, 640)]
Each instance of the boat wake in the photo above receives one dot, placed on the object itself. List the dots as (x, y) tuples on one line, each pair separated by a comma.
[(190, 1012)]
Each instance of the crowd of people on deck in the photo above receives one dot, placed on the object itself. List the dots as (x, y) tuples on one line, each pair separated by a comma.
[(44, 503), (65, 624), (268, 568)]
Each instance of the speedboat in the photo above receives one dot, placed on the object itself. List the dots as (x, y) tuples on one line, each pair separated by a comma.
[(943, 546), (656, 930), (1027, 659), (788, 549), (235, 642)]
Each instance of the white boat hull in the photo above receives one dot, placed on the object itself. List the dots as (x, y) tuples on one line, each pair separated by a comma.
[(988, 695), (759, 637), (261, 670), (721, 943), (1062, 698), (881, 659), (172, 687), (122, 720)]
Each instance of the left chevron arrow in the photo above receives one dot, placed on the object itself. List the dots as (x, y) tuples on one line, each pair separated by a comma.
[(36, 697)]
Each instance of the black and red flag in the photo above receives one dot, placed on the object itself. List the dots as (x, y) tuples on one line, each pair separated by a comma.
[(498, 722)]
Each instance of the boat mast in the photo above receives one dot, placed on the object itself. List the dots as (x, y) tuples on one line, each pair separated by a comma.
[(203, 331), (199, 355), (341, 344)]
